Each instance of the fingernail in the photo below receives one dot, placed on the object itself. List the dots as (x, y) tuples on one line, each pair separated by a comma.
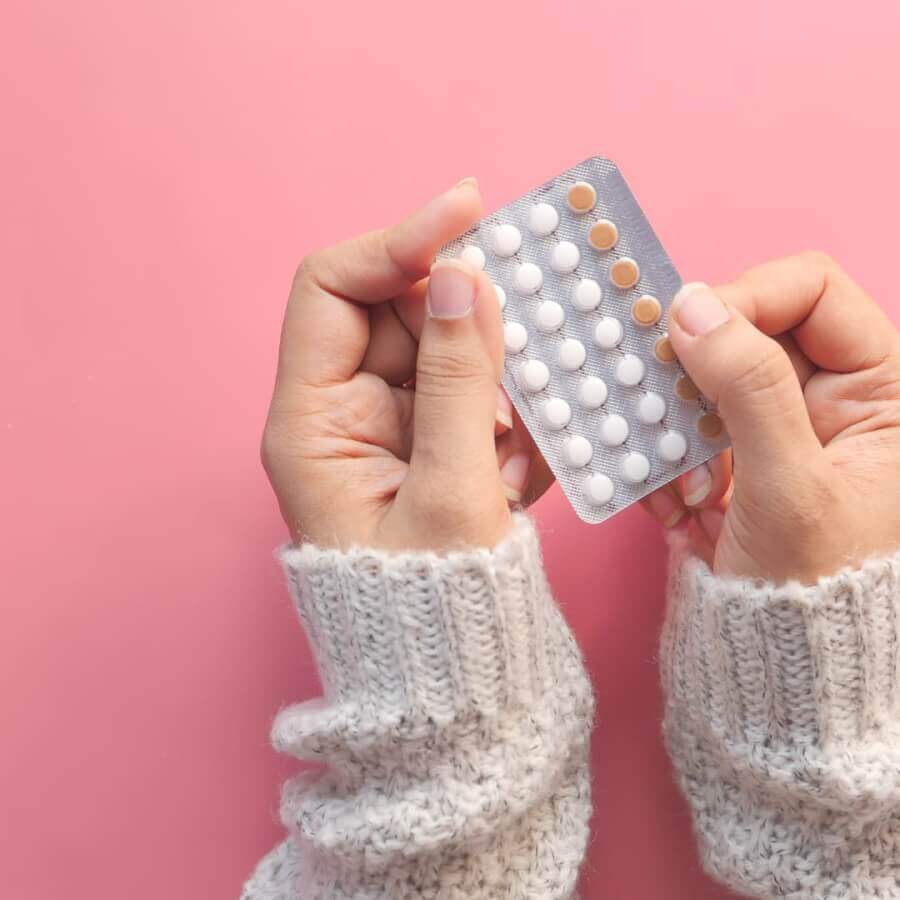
[(711, 521), (504, 409), (470, 181), (514, 474), (696, 485), (451, 290), (698, 310), (665, 508)]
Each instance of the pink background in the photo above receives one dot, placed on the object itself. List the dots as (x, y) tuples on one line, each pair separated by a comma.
[(164, 166)]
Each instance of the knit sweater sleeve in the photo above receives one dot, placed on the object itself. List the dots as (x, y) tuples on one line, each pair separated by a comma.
[(452, 734), (782, 720)]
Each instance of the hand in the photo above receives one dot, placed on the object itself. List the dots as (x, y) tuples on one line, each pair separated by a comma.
[(805, 370), (387, 426)]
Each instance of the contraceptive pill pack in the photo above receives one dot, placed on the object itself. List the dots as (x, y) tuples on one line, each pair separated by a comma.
[(585, 285)]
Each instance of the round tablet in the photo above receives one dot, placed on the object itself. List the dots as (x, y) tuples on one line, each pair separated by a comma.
[(501, 295), (630, 370), (556, 414), (474, 256), (528, 279), (577, 452), (624, 273), (613, 430), (671, 446), (710, 425), (565, 258), (581, 197), (599, 490), (651, 408), (603, 235), (571, 355), (549, 316), (592, 392), (533, 376), (686, 389), (634, 468), (543, 219), (608, 333), (663, 349), (646, 310), (506, 240), (515, 337), (587, 295)]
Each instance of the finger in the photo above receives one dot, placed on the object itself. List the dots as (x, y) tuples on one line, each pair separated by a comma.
[(747, 375), (391, 352), (523, 470), (836, 324), (665, 505), (803, 365), (705, 485)]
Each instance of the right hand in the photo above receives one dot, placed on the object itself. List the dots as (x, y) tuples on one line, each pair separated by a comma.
[(805, 370)]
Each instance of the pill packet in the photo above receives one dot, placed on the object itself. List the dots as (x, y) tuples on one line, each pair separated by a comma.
[(585, 285)]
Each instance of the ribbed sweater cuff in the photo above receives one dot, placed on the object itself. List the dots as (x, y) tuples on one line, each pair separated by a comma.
[(421, 636), (787, 663)]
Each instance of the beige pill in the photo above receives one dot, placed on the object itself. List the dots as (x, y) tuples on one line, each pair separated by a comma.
[(624, 273), (603, 235), (686, 389), (581, 197), (646, 310), (663, 350), (710, 425)]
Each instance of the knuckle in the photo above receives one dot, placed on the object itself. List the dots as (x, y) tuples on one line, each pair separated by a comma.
[(450, 371), (820, 259), (768, 372)]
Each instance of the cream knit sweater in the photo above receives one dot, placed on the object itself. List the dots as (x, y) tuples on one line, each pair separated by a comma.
[(455, 725)]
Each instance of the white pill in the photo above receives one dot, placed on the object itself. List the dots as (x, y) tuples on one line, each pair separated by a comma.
[(572, 355), (608, 333), (565, 257), (634, 468), (515, 337), (651, 408), (549, 316), (577, 452), (528, 279), (671, 446), (533, 376), (543, 219), (501, 295), (613, 430), (630, 370), (592, 392), (506, 240), (474, 256), (599, 490), (556, 414), (587, 295)]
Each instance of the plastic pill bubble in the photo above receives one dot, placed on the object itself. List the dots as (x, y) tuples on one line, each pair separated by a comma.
[(572, 355), (543, 219), (587, 295), (556, 414), (599, 490), (710, 425), (634, 468), (686, 389), (646, 310), (671, 446), (603, 235), (613, 430), (533, 376), (506, 240), (608, 333), (651, 408), (549, 316), (592, 392), (474, 256), (581, 197), (515, 337), (501, 295), (528, 279), (577, 452), (565, 257), (624, 273), (663, 349), (630, 370)]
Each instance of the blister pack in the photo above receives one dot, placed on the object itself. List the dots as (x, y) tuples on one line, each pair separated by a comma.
[(585, 286)]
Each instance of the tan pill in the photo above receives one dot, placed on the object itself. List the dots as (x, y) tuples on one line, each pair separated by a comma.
[(663, 350), (624, 273), (646, 310), (581, 197), (603, 235), (686, 389), (710, 425)]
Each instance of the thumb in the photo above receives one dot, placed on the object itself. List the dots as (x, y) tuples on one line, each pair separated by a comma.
[(747, 375)]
